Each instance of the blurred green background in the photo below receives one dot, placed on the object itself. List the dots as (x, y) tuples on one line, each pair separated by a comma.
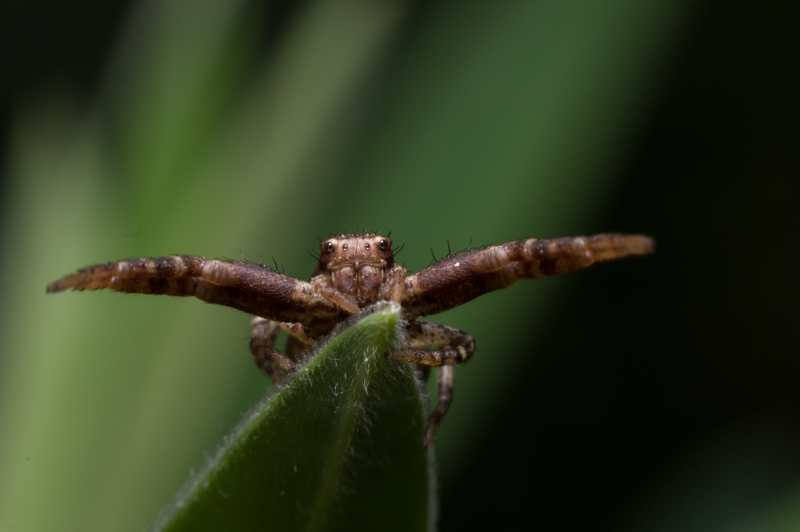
[(653, 394)]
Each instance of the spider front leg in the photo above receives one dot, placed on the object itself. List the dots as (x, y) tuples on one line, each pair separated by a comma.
[(460, 278), (453, 347), (251, 288)]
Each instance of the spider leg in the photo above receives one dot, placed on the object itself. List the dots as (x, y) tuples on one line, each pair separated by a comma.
[(463, 277), (444, 393), (423, 371), (453, 346), (241, 285), (269, 360)]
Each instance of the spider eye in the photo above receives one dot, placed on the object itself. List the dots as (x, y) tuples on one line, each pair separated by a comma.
[(328, 247), (383, 244)]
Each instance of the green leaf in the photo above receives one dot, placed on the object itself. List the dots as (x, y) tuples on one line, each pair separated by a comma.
[(339, 448)]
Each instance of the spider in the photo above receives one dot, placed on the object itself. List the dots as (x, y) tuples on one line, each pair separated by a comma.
[(355, 271)]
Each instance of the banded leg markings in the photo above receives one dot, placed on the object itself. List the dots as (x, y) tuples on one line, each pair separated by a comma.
[(577, 252), (453, 346), (444, 398), (460, 278), (102, 275), (268, 359)]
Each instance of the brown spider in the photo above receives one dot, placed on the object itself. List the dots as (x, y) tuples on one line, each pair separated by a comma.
[(353, 272)]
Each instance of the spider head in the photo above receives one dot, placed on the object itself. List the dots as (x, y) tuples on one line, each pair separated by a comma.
[(356, 263)]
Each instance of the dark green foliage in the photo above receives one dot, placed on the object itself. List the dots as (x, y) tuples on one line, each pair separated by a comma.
[(340, 448)]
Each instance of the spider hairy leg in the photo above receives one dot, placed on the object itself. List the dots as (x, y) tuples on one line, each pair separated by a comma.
[(101, 275), (463, 277), (241, 285), (452, 346), (269, 360), (444, 393), (561, 255)]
